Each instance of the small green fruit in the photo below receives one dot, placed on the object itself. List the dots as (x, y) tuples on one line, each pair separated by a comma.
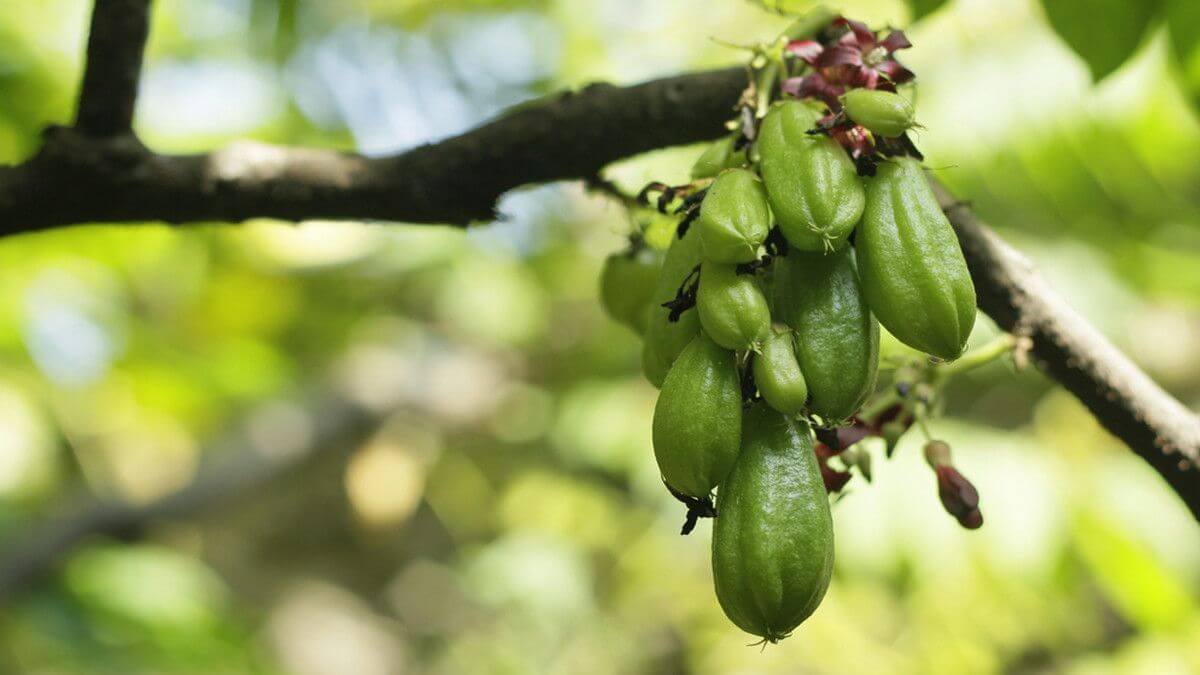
[(627, 283), (698, 418), (778, 376), (912, 268), (812, 185), (734, 217), (717, 157), (884, 113), (733, 311)]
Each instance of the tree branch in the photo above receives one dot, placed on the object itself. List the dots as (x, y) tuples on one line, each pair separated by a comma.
[(79, 178), (1070, 351), (114, 65), (76, 178)]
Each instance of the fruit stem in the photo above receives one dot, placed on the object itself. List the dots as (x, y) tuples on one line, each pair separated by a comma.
[(1001, 346)]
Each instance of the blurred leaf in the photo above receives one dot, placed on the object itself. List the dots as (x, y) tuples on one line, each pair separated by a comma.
[(1183, 23), (785, 7), (1104, 33), (1140, 586), (923, 8)]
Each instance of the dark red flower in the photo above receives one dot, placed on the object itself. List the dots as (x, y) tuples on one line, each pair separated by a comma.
[(815, 86), (856, 59), (834, 480)]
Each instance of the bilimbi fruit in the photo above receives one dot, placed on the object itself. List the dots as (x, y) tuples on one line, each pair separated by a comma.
[(801, 233)]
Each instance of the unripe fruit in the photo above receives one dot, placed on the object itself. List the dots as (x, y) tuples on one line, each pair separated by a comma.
[(837, 338), (772, 540), (884, 113), (734, 217), (913, 272), (812, 185), (733, 311), (778, 377), (665, 339), (717, 157), (698, 418), (627, 283)]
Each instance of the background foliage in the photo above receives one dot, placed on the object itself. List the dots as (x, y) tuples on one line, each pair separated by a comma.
[(507, 516)]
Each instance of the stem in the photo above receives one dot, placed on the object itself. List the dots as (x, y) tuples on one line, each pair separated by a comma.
[(1001, 346), (810, 24)]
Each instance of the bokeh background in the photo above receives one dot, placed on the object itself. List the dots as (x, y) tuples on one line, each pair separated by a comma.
[(420, 450)]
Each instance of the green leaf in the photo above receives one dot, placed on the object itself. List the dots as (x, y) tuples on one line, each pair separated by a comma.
[(1103, 32), (923, 8), (1183, 24)]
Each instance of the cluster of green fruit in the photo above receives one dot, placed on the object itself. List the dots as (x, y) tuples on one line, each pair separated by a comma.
[(792, 260)]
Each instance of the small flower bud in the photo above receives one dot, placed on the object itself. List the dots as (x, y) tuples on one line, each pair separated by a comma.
[(959, 497), (937, 453)]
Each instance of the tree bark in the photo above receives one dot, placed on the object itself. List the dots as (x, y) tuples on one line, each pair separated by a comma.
[(99, 172)]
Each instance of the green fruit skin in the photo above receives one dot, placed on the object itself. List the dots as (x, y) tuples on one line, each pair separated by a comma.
[(698, 418), (627, 283), (664, 339), (912, 268), (778, 375), (837, 337), (734, 217), (772, 543), (884, 113), (733, 310), (717, 157), (812, 185)]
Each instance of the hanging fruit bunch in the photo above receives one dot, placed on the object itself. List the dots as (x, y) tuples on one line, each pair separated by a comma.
[(803, 230)]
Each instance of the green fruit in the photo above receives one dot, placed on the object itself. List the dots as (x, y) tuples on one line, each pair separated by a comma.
[(884, 113), (719, 156), (913, 272), (778, 376), (627, 283), (698, 418), (734, 217), (665, 339), (837, 338), (812, 185), (772, 541), (733, 311)]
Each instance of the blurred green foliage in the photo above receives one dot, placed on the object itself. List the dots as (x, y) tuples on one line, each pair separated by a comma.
[(507, 516)]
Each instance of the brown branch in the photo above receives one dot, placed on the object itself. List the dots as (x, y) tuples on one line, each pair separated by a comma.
[(236, 467), (1070, 351), (114, 64), (78, 178)]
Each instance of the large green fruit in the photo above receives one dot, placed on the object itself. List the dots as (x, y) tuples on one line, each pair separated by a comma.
[(772, 541), (778, 376), (733, 310), (717, 157), (812, 185), (837, 338), (734, 217), (912, 268), (665, 339), (698, 418), (627, 283), (885, 113)]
